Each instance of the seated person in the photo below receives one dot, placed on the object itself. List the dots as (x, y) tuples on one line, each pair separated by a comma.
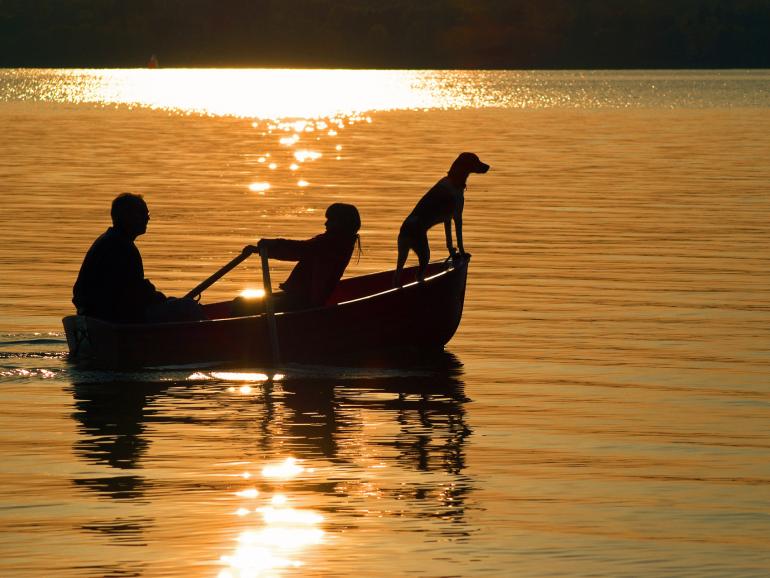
[(321, 261), (111, 283)]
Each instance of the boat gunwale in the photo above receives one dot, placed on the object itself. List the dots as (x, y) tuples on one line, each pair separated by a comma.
[(450, 267)]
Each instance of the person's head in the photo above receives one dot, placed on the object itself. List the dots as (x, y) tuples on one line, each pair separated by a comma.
[(130, 214), (343, 218)]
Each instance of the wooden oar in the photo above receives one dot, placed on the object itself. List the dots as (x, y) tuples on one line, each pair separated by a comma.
[(269, 312), (217, 276)]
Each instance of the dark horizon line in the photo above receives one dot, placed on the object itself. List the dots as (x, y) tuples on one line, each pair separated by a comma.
[(422, 68)]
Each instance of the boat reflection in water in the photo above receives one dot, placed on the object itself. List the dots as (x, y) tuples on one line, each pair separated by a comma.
[(300, 461), (112, 419)]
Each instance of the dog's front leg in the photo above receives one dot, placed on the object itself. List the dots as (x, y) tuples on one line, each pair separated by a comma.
[(448, 233), (458, 219)]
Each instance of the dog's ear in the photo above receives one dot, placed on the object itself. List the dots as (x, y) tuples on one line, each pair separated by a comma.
[(464, 163)]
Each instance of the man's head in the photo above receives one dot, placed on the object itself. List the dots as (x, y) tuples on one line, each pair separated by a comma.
[(130, 214)]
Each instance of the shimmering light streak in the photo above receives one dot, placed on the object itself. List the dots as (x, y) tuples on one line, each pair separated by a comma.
[(264, 551), (259, 187), (286, 470), (306, 155), (239, 376), (279, 499), (248, 493), (253, 293)]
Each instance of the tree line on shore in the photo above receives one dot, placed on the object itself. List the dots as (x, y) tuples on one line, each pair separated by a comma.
[(485, 34)]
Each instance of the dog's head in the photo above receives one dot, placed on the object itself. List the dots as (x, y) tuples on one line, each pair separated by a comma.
[(468, 163)]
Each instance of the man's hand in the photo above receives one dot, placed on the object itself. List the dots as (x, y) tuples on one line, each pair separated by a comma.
[(262, 244)]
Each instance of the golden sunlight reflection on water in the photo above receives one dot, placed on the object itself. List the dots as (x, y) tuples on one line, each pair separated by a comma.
[(259, 93), (306, 94), (278, 532)]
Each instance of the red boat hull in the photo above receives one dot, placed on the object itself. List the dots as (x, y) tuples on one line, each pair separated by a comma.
[(366, 321)]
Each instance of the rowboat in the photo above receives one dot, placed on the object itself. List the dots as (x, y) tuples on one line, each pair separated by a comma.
[(365, 319)]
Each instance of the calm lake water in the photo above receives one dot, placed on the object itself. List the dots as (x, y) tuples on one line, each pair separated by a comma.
[(602, 411)]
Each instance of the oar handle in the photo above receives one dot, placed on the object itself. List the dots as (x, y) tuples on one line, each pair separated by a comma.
[(217, 276), (269, 310)]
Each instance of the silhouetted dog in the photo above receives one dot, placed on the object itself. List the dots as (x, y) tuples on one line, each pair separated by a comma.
[(442, 203)]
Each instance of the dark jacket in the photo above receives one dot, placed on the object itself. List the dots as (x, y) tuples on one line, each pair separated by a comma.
[(111, 283), (322, 261)]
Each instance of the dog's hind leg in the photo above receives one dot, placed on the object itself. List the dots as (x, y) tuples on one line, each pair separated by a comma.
[(422, 249), (403, 253)]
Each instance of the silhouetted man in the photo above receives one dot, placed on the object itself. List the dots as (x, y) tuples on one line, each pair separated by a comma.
[(111, 283)]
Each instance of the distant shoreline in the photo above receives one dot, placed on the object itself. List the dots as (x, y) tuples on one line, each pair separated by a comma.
[(423, 69), (398, 34)]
